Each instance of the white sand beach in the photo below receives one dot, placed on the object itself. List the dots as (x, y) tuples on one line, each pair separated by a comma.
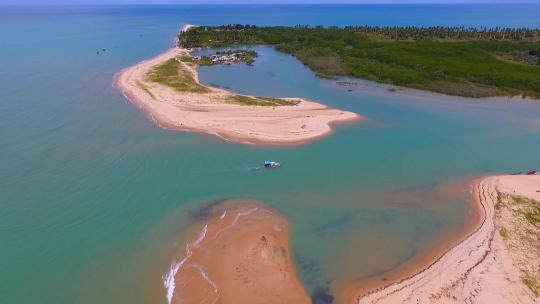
[(490, 265)]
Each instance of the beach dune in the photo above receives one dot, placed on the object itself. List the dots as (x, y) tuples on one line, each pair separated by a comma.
[(492, 264)]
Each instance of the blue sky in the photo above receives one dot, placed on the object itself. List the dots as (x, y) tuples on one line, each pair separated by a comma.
[(249, 1)]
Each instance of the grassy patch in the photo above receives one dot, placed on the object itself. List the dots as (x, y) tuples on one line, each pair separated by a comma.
[(527, 57), (499, 204), (533, 283), (172, 74), (503, 232), (525, 226), (236, 56), (247, 56), (324, 61), (186, 58), (531, 209), (205, 60), (533, 217), (259, 101), (523, 200)]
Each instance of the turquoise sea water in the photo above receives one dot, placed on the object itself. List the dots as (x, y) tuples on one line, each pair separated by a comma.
[(94, 199)]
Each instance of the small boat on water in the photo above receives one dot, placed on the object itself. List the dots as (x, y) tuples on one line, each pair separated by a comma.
[(271, 164)]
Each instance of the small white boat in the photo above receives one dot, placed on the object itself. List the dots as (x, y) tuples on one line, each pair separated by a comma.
[(271, 164)]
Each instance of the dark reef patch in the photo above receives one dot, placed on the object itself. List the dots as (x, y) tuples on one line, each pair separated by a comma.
[(206, 209), (321, 295), (307, 266), (333, 223)]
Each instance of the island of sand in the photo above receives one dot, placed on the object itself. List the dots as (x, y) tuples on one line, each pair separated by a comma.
[(168, 90), (238, 254), (499, 262)]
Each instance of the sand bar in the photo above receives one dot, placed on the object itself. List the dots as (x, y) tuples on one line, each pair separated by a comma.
[(239, 254), (209, 112), (490, 264)]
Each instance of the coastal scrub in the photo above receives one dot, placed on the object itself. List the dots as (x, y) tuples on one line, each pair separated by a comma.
[(521, 216), (227, 57), (454, 61), (259, 101), (172, 74), (533, 283)]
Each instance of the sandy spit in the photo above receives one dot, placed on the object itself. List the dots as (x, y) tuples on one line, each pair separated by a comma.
[(207, 113), (240, 255), (480, 269)]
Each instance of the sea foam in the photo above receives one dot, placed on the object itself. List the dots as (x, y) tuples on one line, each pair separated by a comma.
[(168, 279)]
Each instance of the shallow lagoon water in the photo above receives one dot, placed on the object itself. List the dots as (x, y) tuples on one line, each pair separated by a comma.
[(95, 199), (373, 193)]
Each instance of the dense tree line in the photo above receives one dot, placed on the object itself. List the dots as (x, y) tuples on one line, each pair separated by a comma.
[(397, 33), (454, 33), (458, 61)]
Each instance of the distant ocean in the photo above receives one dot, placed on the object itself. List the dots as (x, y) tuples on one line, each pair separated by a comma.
[(467, 15), (95, 199)]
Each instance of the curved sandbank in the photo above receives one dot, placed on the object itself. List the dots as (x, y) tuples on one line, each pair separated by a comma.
[(489, 265), (240, 254), (210, 112)]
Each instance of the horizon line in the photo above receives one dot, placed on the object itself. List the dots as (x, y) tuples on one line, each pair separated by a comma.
[(270, 3)]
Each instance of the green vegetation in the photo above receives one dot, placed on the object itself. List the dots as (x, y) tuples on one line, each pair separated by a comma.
[(503, 232), (531, 209), (204, 60), (520, 200), (259, 101), (525, 225), (172, 74), (228, 57), (533, 283), (186, 58), (531, 57), (499, 203), (455, 61), (247, 56), (534, 216)]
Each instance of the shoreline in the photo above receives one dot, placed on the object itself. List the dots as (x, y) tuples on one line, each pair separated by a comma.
[(207, 113), (381, 89), (473, 265), (451, 273), (466, 75), (421, 262)]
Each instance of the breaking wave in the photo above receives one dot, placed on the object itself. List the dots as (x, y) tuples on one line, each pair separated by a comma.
[(168, 279)]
